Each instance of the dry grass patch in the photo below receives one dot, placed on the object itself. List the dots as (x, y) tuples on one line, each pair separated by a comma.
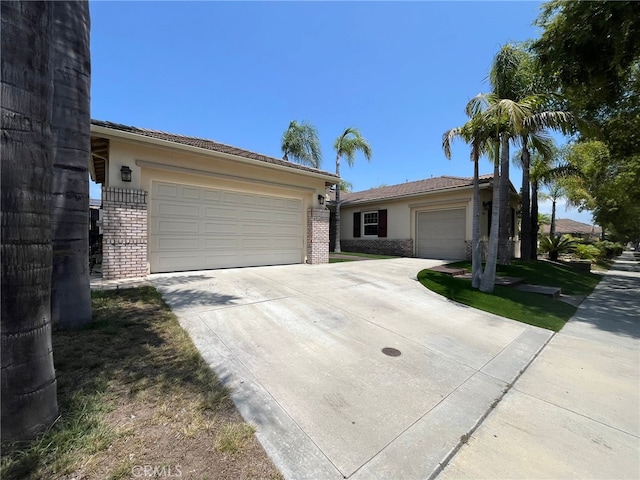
[(137, 399)]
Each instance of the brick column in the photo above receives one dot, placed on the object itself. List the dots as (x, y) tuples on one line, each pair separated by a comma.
[(124, 228), (317, 236)]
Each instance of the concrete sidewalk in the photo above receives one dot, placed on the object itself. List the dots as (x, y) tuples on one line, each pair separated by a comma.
[(575, 412)]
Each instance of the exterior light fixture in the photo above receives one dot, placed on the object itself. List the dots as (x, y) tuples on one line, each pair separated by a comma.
[(321, 199), (125, 173)]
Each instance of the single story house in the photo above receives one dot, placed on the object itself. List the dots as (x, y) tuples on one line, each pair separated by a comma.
[(566, 226), (177, 203), (429, 218)]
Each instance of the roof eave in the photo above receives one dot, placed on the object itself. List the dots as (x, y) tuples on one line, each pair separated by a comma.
[(411, 195), (97, 129)]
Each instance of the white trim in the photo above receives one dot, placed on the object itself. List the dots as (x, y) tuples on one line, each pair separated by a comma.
[(377, 224), (197, 171)]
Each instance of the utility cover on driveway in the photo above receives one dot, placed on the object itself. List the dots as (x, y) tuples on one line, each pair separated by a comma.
[(301, 348)]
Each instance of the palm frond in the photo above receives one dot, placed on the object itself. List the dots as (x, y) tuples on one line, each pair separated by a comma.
[(300, 143), (349, 143)]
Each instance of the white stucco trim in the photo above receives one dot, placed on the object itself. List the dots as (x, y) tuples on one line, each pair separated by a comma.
[(238, 178)]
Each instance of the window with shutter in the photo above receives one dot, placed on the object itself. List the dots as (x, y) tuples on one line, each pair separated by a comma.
[(382, 223)]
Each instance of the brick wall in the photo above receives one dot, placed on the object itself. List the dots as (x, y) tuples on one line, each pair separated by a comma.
[(124, 228), (317, 236), (380, 246)]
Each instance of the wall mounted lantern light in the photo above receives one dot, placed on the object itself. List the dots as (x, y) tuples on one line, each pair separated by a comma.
[(321, 199), (125, 173)]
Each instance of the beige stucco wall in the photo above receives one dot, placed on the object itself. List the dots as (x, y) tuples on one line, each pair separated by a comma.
[(151, 163), (401, 214)]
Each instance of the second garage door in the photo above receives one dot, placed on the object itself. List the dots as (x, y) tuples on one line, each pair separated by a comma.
[(441, 234), (196, 228)]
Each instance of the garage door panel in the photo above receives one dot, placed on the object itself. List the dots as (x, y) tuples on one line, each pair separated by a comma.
[(191, 193), (229, 244), (264, 229), (165, 191), (230, 198), (180, 210), (193, 228), (176, 226), (177, 243), (441, 234), (213, 228), (286, 217), (220, 212), (286, 230)]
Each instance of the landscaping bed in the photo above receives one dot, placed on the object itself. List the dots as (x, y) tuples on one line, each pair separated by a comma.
[(526, 307), (137, 400)]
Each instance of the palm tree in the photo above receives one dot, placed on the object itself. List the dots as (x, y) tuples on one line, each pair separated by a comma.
[(28, 395), (71, 121), (555, 193), (514, 77), (532, 134), (477, 133), (504, 116), (347, 145), (300, 142), (509, 81)]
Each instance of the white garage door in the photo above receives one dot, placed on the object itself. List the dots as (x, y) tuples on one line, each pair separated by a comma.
[(195, 228), (441, 234)]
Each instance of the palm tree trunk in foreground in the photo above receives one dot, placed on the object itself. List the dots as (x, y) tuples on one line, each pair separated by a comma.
[(525, 241), (70, 289), (504, 245), (489, 275), (476, 246), (28, 397), (534, 221), (337, 245)]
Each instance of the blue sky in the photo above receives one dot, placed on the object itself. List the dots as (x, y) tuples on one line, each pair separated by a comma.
[(239, 72)]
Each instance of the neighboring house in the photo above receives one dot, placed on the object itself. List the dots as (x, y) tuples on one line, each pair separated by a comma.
[(429, 218), (566, 226), (176, 203)]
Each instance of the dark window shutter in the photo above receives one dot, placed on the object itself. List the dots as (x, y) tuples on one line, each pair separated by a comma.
[(382, 223), (356, 224)]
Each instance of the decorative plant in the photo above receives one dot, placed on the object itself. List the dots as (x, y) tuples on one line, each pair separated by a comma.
[(555, 245)]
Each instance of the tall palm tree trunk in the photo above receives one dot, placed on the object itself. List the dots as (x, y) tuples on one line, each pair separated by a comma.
[(525, 241), (552, 227), (71, 293), (534, 221), (28, 388), (488, 280), (504, 245), (476, 246), (336, 248)]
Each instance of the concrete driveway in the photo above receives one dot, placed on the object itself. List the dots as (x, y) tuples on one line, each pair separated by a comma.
[(300, 347)]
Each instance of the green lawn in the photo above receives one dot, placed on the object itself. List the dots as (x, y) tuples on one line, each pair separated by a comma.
[(335, 257), (526, 307)]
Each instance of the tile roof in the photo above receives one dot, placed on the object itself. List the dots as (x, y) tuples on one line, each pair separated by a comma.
[(410, 188), (207, 145), (568, 226)]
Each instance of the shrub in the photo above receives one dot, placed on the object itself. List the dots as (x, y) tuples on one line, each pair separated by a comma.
[(556, 245), (609, 249), (587, 252)]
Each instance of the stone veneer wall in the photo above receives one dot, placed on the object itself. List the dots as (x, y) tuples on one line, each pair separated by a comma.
[(317, 236), (124, 228), (380, 246)]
